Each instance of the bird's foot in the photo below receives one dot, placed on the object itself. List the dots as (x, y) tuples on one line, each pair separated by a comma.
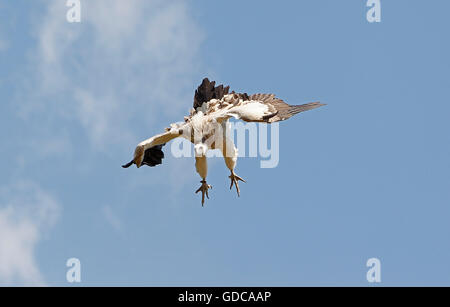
[(204, 189), (234, 180)]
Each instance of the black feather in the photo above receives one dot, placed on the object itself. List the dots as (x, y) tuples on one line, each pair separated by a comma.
[(207, 91), (128, 164), (153, 156)]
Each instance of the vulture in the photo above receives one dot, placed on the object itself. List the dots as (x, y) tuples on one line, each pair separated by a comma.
[(206, 127)]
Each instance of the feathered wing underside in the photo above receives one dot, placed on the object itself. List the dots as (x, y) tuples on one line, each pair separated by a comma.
[(255, 108), (149, 152)]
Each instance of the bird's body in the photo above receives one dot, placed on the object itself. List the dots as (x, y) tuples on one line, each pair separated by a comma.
[(206, 127)]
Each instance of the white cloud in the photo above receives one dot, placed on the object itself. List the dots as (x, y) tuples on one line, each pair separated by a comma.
[(127, 63), (112, 218), (3, 44), (26, 214), (58, 145)]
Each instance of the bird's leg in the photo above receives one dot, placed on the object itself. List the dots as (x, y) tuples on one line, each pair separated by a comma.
[(204, 189), (230, 154), (234, 180), (202, 169)]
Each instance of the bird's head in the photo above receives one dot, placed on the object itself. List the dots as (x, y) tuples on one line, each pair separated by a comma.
[(200, 149)]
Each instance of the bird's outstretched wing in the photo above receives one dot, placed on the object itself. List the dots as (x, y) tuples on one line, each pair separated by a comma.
[(149, 152), (256, 108)]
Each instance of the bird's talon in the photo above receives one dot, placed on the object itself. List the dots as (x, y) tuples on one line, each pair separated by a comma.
[(204, 189), (234, 180)]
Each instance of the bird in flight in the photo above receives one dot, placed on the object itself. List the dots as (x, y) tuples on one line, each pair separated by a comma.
[(206, 127)]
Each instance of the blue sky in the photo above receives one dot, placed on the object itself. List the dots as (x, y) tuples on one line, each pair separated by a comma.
[(367, 176)]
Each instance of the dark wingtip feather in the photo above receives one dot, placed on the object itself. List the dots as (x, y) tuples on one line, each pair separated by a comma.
[(128, 164), (207, 91), (153, 156), (304, 107)]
